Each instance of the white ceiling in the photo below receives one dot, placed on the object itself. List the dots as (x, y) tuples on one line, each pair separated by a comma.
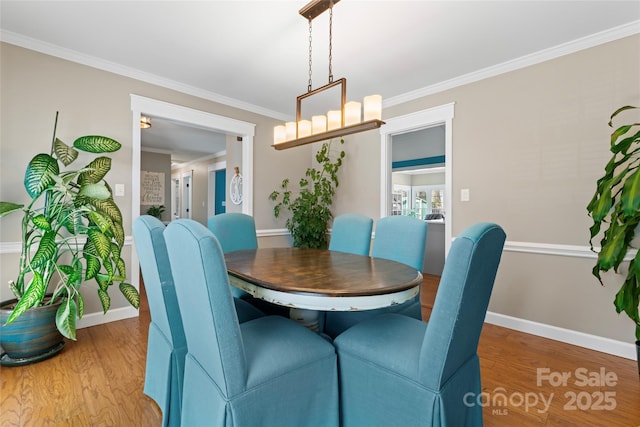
[(254, 54), (184, 143)]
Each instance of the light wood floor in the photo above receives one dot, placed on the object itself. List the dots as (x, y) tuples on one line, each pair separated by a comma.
[(97, 381)]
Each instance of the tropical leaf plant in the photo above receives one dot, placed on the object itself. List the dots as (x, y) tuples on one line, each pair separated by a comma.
[(311, 208), (615, 210), (156, 211), (72, 233)]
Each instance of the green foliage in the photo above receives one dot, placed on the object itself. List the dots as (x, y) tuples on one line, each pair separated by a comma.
[(66, 207), (616, 205), (156, 211), (310, 210)]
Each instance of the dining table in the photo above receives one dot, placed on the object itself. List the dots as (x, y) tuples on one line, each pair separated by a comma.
[(310, 281)]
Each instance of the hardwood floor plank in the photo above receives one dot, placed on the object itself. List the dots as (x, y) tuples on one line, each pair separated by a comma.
[(98, 380), (11, 395)]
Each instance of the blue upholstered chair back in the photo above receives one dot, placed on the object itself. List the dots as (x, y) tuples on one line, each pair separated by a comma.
[(351, 233), (234, 231), (211, 311), (166, 345), (461, 303), (158, 279), (402, 239)]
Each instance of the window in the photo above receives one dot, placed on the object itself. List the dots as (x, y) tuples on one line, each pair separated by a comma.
[(418, 201)]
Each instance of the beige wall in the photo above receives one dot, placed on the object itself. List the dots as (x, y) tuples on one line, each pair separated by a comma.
[(34, 86), (529, 144)]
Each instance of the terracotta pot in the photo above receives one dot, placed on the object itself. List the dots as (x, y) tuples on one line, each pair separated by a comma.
[(31, 337)]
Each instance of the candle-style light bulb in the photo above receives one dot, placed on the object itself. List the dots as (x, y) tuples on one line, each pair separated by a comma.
[(334, 118), (318, 124), (304, 128), (352, 113), (290, 130), (279, 134), (372, 107)]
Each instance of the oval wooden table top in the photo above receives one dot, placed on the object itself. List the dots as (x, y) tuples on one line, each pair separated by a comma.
[(337, 280)]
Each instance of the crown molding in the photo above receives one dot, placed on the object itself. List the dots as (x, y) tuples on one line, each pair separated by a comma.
[(577, 45), (522, 62), (112, 67)]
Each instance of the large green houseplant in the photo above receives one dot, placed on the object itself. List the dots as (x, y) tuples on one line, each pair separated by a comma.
[(311, 208), (616, 206), (72, 233)]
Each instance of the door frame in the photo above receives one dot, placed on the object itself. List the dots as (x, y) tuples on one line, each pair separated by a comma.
[(155, 108), (442, 114)]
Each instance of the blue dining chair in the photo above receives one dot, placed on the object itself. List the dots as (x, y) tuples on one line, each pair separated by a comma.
[(396, 370), (236, 232), (402, 239), (167, 345), (269, 371), (351, 233), (397, 238)]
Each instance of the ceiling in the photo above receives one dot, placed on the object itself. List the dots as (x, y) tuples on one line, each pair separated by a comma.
[(254, 54), (183, 143)]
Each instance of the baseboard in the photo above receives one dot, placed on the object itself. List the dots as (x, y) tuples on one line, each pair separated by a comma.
[(114, 314), (580, 339)]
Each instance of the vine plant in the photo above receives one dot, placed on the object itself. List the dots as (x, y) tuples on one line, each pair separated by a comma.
[(311, 208)]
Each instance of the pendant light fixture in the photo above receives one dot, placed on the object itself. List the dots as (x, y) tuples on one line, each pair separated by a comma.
[(145, 122), (336, 123)]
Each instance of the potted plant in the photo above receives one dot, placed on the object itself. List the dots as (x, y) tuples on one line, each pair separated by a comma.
[(310, 210), (72, 233), (616, 205), (156, 211)]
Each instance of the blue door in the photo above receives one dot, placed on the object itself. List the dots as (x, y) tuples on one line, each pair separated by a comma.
[(220, 187)]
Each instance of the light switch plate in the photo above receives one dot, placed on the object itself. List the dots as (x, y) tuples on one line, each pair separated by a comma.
[(464, 195), (119, 190)]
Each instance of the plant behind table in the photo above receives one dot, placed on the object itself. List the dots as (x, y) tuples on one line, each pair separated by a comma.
[(72, 232), (310, 210)]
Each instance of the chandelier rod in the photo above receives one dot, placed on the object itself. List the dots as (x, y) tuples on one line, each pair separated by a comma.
[(330, 39)]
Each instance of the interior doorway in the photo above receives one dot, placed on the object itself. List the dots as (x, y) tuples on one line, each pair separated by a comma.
[(186, 199), (217, 197), (180, 114), (437, 116)]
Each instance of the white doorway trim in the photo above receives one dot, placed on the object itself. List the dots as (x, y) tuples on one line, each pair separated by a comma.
[(186, 194), (197, 118), (442, 114)]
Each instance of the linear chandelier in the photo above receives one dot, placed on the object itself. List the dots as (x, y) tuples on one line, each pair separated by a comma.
[(336, 123)]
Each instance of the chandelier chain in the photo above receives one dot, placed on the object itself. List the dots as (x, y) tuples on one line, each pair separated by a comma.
[(309, 86), (330, 40)]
